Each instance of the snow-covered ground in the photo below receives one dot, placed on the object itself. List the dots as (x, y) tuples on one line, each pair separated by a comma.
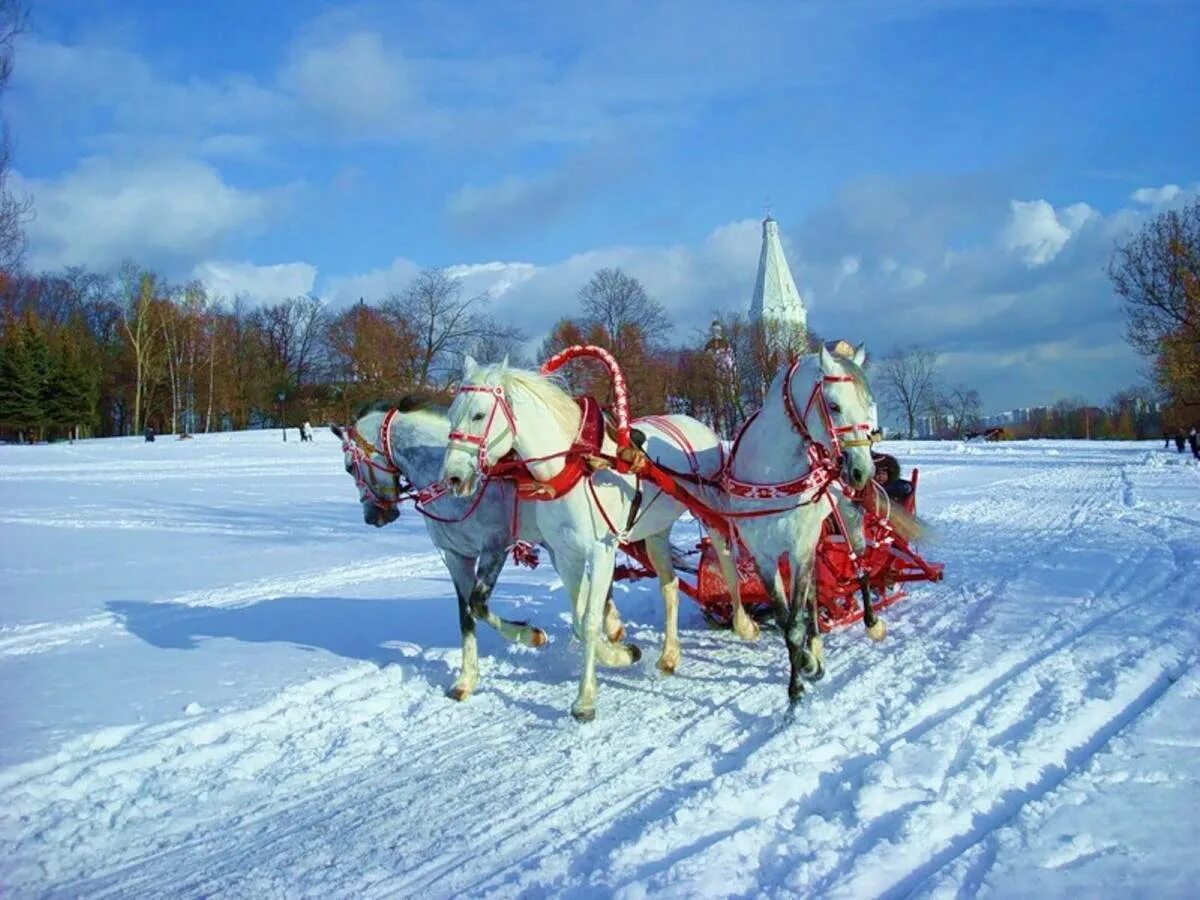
[(217, 681)]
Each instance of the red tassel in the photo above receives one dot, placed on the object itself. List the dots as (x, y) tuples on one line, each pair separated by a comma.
[(525, 554)]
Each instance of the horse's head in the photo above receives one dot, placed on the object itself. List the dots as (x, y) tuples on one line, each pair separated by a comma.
[(380, 481), (853, 416), (482, 427)]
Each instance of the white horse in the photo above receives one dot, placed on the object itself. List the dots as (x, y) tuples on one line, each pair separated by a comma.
[(823, 400), (501, 409), (404, 452)]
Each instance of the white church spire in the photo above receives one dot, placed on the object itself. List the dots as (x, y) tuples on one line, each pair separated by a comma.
[(776, 300)]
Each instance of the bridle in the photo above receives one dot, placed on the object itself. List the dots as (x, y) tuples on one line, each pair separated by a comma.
[(483, 442), (363, 459), (840, 436)]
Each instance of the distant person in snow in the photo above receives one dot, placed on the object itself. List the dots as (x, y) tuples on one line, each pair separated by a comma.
[(1179, 440), (149, 433), (1166, 439), (306, 433), (1194, 442)]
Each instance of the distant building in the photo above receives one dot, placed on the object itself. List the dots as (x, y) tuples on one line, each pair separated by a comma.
[(776, 304)]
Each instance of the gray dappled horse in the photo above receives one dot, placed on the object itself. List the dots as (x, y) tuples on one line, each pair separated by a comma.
[(473, 536)]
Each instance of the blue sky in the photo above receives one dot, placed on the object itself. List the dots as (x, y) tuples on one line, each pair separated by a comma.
[(947, 173)]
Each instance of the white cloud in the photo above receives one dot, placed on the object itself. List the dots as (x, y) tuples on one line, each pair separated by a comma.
[(1157, 196), (355, 83), (518, 202), (371, 286), (263, 284), (1038, 232), (232, 146), (494, 278), (847, 268), (104, 211)]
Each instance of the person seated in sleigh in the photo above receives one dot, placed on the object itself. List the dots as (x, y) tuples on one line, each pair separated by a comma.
[(887, 473)]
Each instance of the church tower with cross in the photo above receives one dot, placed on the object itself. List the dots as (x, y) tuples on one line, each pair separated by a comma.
[(776, 303)]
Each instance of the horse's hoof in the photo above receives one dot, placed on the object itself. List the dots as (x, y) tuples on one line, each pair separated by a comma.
[(459, 693), (811, 667), (635, 653), (538, 638), (749, 631), (583, 715), (878, 631), (667, 666), (795, 694)]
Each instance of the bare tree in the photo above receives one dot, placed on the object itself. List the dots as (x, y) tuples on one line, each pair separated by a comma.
[(1157, 274), (615, 301), (962, 407), (446, 324), (14, 209), (138, 288), (499, 342), (907, 382), (291, 332)]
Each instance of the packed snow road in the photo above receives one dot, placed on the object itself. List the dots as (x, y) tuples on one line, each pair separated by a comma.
[(216, 680)]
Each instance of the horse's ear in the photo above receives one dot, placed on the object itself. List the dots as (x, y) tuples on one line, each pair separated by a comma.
[(337, 429), (826, 359), (469, 366), (504, 362), (860, 355)]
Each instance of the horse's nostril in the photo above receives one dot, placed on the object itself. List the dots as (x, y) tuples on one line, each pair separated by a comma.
[(455, 481)]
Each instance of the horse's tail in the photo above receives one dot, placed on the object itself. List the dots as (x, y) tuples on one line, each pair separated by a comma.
[(906, 524)]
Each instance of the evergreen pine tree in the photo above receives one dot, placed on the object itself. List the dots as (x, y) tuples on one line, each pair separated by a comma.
[(20, 396), (41, 388)]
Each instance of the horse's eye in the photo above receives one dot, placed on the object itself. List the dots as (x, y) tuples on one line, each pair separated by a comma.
[(834, 408), (478, 417)]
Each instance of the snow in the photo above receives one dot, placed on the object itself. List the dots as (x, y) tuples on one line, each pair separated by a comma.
[(217, 680)]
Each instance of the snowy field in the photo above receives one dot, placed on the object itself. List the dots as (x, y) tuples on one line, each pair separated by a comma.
[(218, 682)]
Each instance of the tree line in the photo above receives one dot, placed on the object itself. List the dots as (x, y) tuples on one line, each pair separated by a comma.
[(97, 354), (86, 354)]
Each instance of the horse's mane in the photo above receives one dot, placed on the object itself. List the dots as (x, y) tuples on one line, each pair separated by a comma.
[(546, 389), (408, 403), (860, 379), (854, 370)]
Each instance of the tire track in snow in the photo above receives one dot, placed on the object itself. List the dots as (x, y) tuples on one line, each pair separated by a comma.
[(1052, 535), (678, 778)]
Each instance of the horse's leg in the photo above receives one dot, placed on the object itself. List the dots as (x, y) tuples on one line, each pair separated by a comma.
[(804, 620), (658, 548), (854, 516), (743, 626), (486, 573), (578, 576), (462, 573), (613, 627), (787, 619)]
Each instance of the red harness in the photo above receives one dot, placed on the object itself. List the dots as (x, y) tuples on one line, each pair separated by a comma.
[(587, 442), (823, 461)]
